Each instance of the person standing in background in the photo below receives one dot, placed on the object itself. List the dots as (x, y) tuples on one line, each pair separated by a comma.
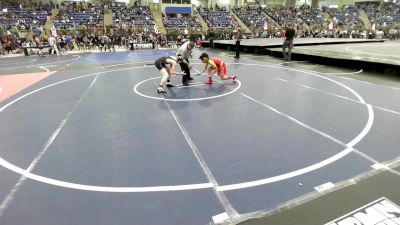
[(53, 45), (238, 37), (211, 36), (288, 43)]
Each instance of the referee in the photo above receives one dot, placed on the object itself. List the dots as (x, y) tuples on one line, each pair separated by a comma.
[(185, 52)]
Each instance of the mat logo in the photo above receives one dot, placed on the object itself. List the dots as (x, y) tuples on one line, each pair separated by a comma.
[(378, 212)]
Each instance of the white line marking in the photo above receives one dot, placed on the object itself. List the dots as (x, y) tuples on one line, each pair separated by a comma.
[(313, 66), (375, 161), (220, 218), (324, 187), (379, 166), (348, 147), (304, 170), (210, 177), (370, 53), (197, 72), (64, 184), (10, 197), (346, 78), (372, 58), (191, 85), (135, 89), (297, 121), (282, 63), (325, 162), (360, 71), (194, 83), (366, 82), (42, 67), (361, 81), (340, 96)]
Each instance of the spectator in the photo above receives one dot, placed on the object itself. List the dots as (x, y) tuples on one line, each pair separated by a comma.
[(288, 43)]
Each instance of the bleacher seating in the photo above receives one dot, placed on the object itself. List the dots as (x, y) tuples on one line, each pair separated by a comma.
[(22, 19), (181, 22), (348, 16), (387, 16), (283, 16), (219, 18), (73, 15), (311, 16), (251, 17)]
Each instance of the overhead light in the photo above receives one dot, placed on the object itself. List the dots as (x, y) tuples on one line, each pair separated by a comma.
[(5, 10)]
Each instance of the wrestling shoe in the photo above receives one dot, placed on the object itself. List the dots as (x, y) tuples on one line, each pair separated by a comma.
[(161, 91)]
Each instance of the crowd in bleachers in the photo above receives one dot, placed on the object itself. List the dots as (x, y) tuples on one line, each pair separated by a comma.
[(181, 21), (256, 19), (342, 22), (284, 16), (348, 16), (252, 17), (18, 17), (218, 18), (79, 15), (99, 42), (133, 17), (312, 17), (386, 15)]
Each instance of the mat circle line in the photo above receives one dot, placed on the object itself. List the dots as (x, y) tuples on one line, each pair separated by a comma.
[(350, 49), (181, 100), (241, 185)]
